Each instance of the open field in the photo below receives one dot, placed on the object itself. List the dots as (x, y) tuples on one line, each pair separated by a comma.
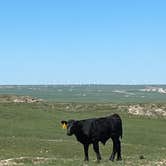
[(31, 134)]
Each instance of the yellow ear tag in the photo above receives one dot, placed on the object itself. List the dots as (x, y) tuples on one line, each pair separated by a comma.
[(64, 126)]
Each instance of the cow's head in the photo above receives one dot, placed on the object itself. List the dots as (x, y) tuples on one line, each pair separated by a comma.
[(70, 125)]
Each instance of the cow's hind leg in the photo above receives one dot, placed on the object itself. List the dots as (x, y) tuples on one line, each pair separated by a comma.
[(96, 149), (119, 150), (112, 157)]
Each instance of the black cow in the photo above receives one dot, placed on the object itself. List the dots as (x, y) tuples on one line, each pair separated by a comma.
[(91, 131)]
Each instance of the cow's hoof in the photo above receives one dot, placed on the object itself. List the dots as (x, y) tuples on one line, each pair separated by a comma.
[(86, 160), (98, 160), (119, 159), (111, 159)]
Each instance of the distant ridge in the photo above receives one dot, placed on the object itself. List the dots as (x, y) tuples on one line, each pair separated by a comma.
[(90, 93)]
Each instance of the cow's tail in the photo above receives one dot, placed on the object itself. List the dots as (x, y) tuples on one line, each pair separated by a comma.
[(119, 125), (120, 129)]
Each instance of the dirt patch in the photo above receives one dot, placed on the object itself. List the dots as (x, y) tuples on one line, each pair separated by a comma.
[(9, 162), (159, 163), (32, 160), (22, 160)]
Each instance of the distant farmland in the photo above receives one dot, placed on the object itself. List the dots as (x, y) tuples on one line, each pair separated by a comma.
[(92, 93)]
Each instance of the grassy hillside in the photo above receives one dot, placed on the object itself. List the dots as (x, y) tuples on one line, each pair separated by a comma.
[(31, 134)]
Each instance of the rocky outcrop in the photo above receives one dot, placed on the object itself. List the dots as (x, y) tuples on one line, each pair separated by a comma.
[(147, 110), (27, 99), (18, 99)]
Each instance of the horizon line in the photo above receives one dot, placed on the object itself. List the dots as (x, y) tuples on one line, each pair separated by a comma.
[(84, 84)]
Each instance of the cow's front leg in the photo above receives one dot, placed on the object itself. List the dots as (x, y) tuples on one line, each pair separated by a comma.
[(86, 148), (96, 149)]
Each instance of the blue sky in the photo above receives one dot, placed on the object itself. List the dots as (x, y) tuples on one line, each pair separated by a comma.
[(86, 41)]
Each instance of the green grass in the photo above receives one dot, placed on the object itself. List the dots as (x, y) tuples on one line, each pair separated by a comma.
[(31, 134)]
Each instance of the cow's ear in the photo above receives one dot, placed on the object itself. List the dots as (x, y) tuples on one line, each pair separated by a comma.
[(64, 122)]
